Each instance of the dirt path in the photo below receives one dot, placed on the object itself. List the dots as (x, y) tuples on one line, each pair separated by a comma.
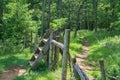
[(81, 58), (12, 73)]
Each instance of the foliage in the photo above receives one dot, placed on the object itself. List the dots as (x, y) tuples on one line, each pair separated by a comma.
[(13, 57), (75, 45), (117, 22), (17, 20), (58, 23), (104, 45)]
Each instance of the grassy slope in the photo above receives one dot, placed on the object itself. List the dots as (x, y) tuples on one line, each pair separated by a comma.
[(13, 56), (104, 45)]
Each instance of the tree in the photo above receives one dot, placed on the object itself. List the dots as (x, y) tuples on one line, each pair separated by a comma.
[(95, 14), (48, 16), (43, 15), (78, 17), (59, 8), (18, 21)]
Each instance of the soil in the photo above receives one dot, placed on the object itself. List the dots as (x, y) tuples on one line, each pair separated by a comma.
[(12, 73), (81, 58)]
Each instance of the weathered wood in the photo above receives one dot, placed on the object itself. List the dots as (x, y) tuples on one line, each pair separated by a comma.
[(47, 35), (101, 62), (50, 51), (80, 72), (34, 64), (36, 55), (40, 48), (47, 60), (65, 52), (46, 47), (76, 75), (44, 40), (60, 45), (41, 51), (56, 54)]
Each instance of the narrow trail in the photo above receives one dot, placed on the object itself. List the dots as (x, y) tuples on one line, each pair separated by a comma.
[(81, 58), (12, 73)]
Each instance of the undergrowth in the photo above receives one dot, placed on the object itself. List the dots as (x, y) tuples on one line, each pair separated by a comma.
[(104, 45), (15, 55)]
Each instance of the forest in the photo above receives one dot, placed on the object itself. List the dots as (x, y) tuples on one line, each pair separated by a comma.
[(94, 38)]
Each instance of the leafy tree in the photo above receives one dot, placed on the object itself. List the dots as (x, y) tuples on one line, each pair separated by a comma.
[(18, 21)]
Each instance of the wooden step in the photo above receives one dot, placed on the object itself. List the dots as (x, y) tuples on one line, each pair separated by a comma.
[(44, 40), (31, 63), (40, 48), (36, 55), (32, 58)]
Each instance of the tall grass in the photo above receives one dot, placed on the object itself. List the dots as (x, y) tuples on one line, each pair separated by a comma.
[(104, 45), (75, 44), (12, 55)]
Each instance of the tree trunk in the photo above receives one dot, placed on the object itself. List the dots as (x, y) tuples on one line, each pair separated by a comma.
[(59, 8), (95, 14), (35, 41), (43, 14), (1, 12), (69, 16), (48, 17), (78, 17), (107, 20), (1, 22), (112, 6)]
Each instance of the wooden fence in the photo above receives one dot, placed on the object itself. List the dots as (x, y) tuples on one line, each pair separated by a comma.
[(49, 48), (78, 73)]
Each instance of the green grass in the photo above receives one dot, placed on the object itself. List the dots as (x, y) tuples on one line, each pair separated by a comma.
[(22, 58), (9, 60), (104, 45), (75, 45), (11, 55)]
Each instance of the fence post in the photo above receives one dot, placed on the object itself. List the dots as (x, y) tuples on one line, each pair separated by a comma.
[(101, 62), (65, 52), (77, 77), (50, 51), (56, 54)]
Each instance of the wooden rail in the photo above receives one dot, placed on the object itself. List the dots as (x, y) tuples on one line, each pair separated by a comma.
[(65, 49), (52, 41), (78, 72), (58, 44)]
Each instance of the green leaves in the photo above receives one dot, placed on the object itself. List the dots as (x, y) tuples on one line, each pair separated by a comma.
[(58, 23), (18, 20), (117, 22)]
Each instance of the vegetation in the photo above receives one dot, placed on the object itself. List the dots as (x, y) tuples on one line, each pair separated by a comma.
[(13, 57), (24, 22), (103, 46)]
